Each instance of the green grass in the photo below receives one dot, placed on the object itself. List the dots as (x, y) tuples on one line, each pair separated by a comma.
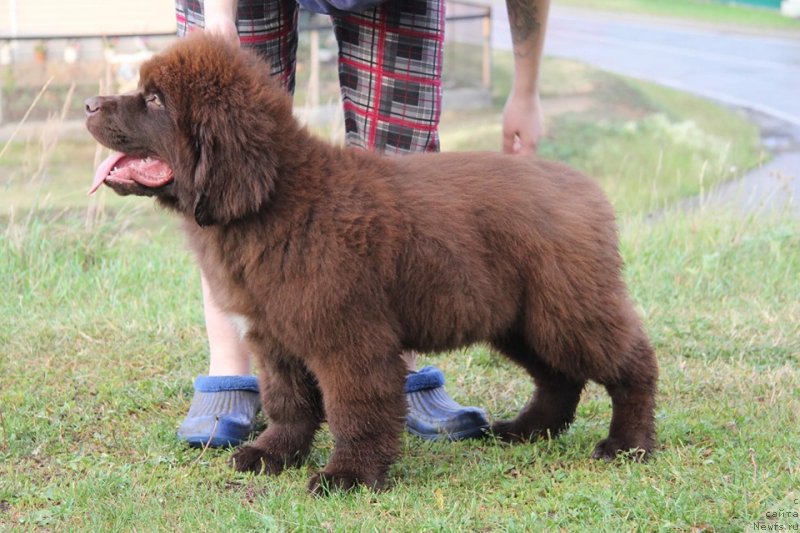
[(647, 145), (101, 332), (697, 10), (104, 331)]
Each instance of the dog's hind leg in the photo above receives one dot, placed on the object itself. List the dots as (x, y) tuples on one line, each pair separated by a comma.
[(551, 409), (292, 402), (366, 409), (632, 390)]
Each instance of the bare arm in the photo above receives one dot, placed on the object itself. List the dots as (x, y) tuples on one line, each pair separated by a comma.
[(522, 116), (220, 18)]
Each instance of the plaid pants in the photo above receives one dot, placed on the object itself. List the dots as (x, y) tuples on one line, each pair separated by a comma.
[(390, 64)]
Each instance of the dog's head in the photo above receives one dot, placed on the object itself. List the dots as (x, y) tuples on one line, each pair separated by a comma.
[(199, 133)]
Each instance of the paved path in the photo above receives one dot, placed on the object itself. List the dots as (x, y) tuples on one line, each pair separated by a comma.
[(745, 69)]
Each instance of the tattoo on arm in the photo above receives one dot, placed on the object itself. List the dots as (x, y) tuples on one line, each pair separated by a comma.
[(523, 19)]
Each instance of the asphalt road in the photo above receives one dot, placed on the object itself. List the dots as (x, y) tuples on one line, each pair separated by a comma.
[(756, 71)]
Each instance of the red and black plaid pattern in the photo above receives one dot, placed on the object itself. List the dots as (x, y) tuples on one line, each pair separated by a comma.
[(270, 27), (390, 70), (390, 65)]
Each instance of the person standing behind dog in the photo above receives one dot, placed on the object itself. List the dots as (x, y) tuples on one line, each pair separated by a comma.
[(390, 69)]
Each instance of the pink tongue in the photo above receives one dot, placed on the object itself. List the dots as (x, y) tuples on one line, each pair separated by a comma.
[(147, 172), (102, 171)]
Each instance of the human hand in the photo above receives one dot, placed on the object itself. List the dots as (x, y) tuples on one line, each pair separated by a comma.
[(522, 123), (220, 19)]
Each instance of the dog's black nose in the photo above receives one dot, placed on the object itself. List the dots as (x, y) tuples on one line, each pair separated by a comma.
[(94, 104)]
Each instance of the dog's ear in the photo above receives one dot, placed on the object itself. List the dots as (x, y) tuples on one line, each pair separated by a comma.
[(234, 175)]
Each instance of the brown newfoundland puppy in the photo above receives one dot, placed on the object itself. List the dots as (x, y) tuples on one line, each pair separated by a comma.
[(335, 260)]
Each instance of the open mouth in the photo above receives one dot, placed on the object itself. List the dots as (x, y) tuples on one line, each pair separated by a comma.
[(123, 168)]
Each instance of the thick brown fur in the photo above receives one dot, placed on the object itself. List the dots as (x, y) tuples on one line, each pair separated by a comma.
[(336, 260)]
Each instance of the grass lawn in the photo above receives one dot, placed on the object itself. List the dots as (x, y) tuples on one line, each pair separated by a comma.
[(706, 11), (101, 334)]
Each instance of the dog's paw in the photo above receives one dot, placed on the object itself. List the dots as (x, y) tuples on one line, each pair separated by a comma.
[(508, 431), (610, 448), (252, 459), (323, 484)]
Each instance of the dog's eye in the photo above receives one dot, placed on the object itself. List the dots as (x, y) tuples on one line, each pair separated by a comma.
[(153, 100)]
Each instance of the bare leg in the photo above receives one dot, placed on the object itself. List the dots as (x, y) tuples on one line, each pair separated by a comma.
[(410, 359), (228, 354), (225, 402)]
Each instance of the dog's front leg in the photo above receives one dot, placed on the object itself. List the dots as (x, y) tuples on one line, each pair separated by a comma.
[(292, 402), (366, 409)]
